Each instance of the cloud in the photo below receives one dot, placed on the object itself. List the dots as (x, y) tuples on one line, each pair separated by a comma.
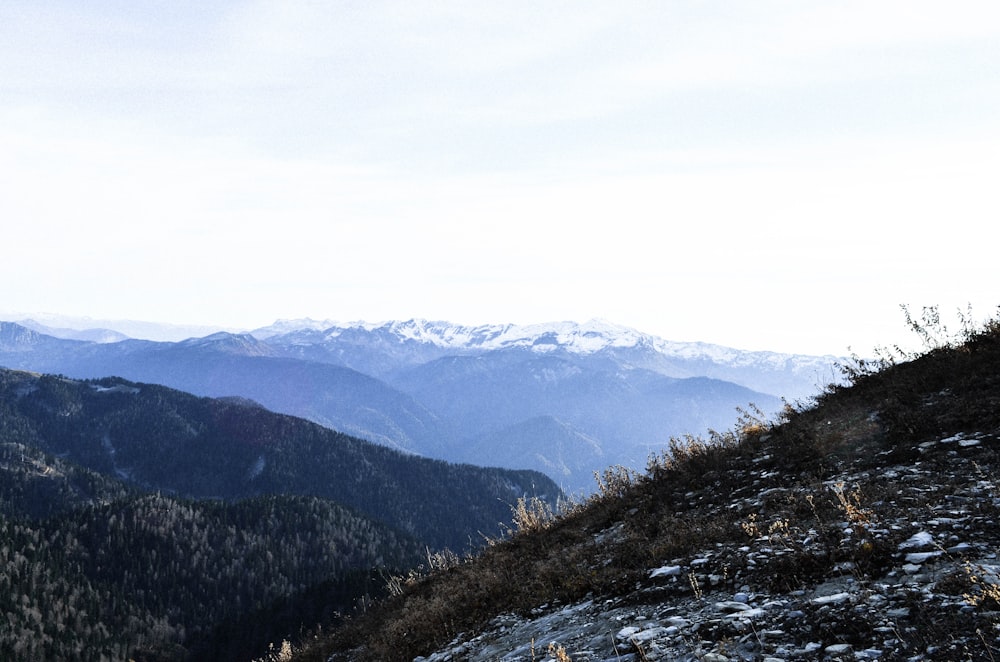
[(243, 159)]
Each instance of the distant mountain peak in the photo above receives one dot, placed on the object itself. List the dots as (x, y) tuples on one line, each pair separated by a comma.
[(101, 330), (14, 335), (588, 337), (384, 347), (97, 335), (571, 336), (283, 326), (232, 343)]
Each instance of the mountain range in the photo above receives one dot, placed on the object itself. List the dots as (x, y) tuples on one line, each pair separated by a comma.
[(142, 522), (860, 527), (502, 395)]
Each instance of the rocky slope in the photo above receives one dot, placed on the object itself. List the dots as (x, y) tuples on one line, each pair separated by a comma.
[(863, 527), (757, 600)]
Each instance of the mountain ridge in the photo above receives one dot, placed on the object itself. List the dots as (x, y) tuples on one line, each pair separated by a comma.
[(398, 383), (582, 337), (862, 526), (161, 439), (805, 374)]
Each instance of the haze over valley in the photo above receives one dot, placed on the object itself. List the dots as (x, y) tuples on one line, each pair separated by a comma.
[(302, 463), (565, 399)]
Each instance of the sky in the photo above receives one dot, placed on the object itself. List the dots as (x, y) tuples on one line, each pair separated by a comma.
[(769, 175)]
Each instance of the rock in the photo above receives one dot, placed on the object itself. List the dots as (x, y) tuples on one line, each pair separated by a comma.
[(920, 540), (838, 649), (666, 571), (625, 633), (921, 557), (731, 606), (836, 598)]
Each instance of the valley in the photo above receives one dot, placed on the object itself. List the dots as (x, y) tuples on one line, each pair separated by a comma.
[(304, 471), (452, 393)]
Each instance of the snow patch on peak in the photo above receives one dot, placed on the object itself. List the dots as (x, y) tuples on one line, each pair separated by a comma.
[(585, 338), (593, 336)]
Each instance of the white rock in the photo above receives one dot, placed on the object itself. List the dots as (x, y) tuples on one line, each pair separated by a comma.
[(918, 540), (666, 571), (627, 632), (836, 598), (921, 557), (746, 614), (837, 649), (647, 635)]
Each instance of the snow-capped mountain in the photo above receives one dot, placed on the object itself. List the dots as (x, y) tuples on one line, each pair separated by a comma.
[(387, 347), (449, 391), (580, 338), (282, 327)]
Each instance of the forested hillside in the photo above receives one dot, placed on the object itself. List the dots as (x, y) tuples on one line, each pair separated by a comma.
[(161, 439), (158, 578), (139, 522)]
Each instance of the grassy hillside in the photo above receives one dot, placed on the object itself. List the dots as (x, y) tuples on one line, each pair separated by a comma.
[(860, 526)]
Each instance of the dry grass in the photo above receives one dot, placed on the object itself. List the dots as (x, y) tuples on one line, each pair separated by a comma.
[(683, 502)]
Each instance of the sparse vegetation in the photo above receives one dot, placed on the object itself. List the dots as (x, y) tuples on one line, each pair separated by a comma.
[(531, 514), (690, 498)]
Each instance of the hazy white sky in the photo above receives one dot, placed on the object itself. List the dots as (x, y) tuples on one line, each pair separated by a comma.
[(764, 175)]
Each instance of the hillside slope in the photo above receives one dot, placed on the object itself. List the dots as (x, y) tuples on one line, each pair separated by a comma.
[(158, 438), (139, 522), (863, 527), (225, 364)]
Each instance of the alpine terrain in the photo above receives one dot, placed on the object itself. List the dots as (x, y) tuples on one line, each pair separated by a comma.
[(566, 399), (860, 526)]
